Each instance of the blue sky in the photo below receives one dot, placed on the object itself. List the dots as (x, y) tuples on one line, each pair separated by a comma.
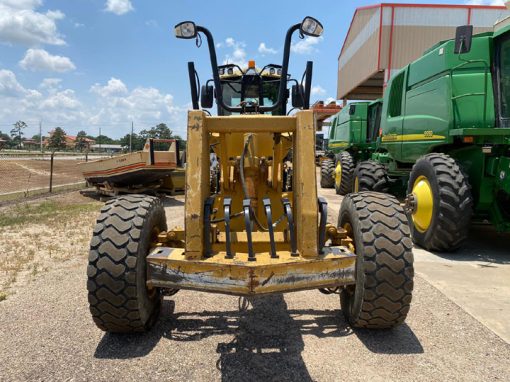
[(85, 64)]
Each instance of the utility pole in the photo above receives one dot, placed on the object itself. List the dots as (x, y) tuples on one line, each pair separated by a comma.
[(99, 139), (131, 138), (40, 135)]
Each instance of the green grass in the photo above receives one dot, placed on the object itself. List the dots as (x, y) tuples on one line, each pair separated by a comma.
[(43, 212)]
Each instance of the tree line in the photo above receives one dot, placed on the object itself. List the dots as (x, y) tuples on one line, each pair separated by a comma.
[(57, 139)]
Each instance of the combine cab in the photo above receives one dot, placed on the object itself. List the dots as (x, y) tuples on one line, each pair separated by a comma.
[(264, 230)]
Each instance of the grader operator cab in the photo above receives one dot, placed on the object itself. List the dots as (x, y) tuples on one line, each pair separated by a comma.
[(264, 230)]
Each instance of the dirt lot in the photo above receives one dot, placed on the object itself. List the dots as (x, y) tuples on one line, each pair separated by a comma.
[(47, 333), (30, 232), (25, 174)]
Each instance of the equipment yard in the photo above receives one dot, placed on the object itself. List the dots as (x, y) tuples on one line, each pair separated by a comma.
[(375, 250), (47, 333)]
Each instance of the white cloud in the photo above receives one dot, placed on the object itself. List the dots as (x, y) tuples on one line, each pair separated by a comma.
[(263, 49), (318, 90), (59, 106), (9, 85), (51, 85), (119, 7), (117, 105), (238, 54), (20, 23), (112, 107), (41, 60), (65, 99), (112, 88), (306, 46)]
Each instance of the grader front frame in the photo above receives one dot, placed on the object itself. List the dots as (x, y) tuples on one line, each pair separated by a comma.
[(265, 231), (267, 240)]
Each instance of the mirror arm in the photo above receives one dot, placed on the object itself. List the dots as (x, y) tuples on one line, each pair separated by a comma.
[(308, 84), (285, 65), (214, 61), (214, 66), (193, 85)]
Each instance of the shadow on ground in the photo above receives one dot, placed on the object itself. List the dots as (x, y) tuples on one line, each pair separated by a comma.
[(267, 337), (400, 340), (484, 244), (169, 201)]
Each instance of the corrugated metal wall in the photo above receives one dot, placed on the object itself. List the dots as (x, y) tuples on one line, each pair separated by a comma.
[(356, 61), (387, 42)]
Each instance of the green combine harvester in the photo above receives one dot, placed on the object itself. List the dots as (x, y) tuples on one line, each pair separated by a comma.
[(443, 141), (352, 138)]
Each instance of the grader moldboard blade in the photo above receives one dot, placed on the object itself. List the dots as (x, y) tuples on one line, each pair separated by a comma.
[(264, 229)]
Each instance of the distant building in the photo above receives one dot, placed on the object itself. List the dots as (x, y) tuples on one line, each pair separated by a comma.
[(384, 38), (71, 141), (106, 148), (31, 144)]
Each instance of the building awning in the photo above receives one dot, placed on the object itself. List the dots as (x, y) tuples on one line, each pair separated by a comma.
[(384, 38)]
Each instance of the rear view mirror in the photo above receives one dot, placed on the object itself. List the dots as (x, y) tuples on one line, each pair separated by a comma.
[(186, 29), (311, 27), (298, 94), (207, 97), (463, 39)]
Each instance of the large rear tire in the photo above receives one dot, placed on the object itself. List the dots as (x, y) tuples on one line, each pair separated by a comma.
[(344, 173), (125, 231), (382, 295), (371, 176), (327, 173), (440, 204)]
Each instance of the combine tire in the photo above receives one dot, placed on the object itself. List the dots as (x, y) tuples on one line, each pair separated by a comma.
[(118, 297), (384, 266), (439, 203), (371, 176), (327, 173), (344, 171)]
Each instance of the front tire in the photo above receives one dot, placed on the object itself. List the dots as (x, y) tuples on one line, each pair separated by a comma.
[(440, 204), (344, 172), (371, 176), (382, 295), (125, 231)]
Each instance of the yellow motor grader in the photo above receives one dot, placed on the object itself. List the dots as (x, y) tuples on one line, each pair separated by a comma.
[(262, 229)]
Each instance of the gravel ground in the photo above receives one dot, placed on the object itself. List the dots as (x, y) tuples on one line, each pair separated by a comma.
[(47, 335)]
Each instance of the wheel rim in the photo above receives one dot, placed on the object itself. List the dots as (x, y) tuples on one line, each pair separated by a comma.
[(424, 199), (338, 174), (356, 184)]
